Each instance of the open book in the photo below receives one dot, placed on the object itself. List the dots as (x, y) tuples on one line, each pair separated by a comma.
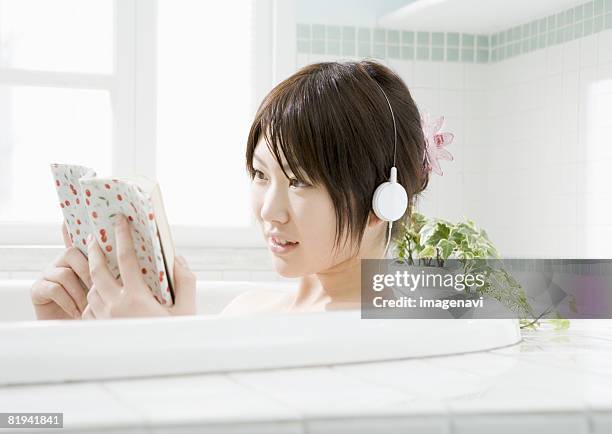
[(89, 203)]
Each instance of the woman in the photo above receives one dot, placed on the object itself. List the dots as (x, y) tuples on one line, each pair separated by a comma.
[(320, 144)]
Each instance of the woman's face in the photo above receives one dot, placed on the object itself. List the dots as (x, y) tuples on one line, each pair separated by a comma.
[(293, 210)]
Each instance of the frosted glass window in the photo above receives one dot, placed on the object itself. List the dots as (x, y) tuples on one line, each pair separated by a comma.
[(57, 35), (39, 126), (204, 112)]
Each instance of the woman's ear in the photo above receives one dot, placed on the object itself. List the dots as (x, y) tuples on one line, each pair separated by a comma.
[(373, 219)]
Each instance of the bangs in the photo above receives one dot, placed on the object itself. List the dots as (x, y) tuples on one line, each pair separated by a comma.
[(288, 123)]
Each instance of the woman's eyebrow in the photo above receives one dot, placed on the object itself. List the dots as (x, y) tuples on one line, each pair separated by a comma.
[(285, 166)]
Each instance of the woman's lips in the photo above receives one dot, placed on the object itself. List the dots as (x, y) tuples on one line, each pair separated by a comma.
[(276, 246)]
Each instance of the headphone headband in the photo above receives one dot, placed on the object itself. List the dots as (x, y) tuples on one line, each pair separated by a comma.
[(390, 199), (392, 117)]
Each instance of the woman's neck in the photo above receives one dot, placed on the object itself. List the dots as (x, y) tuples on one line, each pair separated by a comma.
[(337, 287), (343, 282)]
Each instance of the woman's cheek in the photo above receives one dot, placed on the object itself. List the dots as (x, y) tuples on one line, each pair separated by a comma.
[(256, 202), (316, 221)]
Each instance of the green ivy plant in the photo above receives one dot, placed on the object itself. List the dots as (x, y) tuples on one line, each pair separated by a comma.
[(431, 242)]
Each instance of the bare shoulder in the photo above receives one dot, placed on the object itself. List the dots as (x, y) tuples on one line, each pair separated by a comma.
[(259, 301)]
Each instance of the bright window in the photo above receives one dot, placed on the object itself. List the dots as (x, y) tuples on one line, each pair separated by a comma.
[(163, 88), (205, 71), (57, 35), (48, 125), (55, 98)]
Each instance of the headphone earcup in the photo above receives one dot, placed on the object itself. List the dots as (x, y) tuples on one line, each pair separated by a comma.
[(390, 201)]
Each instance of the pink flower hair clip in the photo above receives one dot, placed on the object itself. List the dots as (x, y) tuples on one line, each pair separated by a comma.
[(435, 141)]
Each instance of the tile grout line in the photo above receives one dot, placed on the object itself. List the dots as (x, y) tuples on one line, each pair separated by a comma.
[(523, 38), (300, 417)]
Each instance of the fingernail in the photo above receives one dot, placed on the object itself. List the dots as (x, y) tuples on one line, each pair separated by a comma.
[(181, 260)]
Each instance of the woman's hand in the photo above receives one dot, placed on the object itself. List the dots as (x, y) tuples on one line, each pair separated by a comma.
[(129, 295), (61, 291)]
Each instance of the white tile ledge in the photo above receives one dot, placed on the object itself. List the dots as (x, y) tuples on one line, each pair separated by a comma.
[(26, 261)]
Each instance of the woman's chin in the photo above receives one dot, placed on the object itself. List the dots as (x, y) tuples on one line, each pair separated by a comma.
[(286, 269)]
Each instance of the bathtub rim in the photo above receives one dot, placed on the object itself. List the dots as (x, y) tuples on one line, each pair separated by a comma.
[(328, 338)]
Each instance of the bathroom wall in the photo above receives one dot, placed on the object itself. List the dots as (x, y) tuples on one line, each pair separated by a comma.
[(531, 108), (244, 264), (544, 137)]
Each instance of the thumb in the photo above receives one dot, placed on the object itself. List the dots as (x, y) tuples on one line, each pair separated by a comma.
[(184, 288), (66, 235)]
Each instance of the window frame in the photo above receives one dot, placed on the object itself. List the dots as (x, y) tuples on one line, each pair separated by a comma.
[(132, 91)]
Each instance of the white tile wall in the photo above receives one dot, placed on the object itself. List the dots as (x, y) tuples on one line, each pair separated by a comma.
[(533, 146), (197, 400), (206, 263)]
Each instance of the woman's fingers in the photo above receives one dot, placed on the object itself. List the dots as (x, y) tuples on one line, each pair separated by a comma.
[(105, 282), (88, 313), (97, 304), (70, 283), (55, 292), (184, 288), (126, 255), (76, 260)]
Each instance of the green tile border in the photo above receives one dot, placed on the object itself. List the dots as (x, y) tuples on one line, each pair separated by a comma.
[(577, 22)]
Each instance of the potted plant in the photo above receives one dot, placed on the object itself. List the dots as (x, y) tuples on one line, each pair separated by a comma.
[(432, 242)]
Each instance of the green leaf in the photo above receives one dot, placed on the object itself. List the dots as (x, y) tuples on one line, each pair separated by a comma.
[(427, 252), (446, 248), (427, 231), (560, 323), (433, 232)]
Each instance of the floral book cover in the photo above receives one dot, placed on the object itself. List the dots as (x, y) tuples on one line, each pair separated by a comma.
[(89, 204)]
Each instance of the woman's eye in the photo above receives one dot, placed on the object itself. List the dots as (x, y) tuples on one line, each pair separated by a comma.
[(296, 183), (258, 174)]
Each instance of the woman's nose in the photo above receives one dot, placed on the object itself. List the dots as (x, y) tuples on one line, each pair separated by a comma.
[(274, 206)]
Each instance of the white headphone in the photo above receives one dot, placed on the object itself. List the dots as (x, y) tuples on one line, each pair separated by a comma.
[(390, 199)]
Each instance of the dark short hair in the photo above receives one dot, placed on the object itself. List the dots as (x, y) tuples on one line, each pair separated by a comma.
[(333, 125)]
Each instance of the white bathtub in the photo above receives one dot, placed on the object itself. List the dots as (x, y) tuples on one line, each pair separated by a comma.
[(57, 351)]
